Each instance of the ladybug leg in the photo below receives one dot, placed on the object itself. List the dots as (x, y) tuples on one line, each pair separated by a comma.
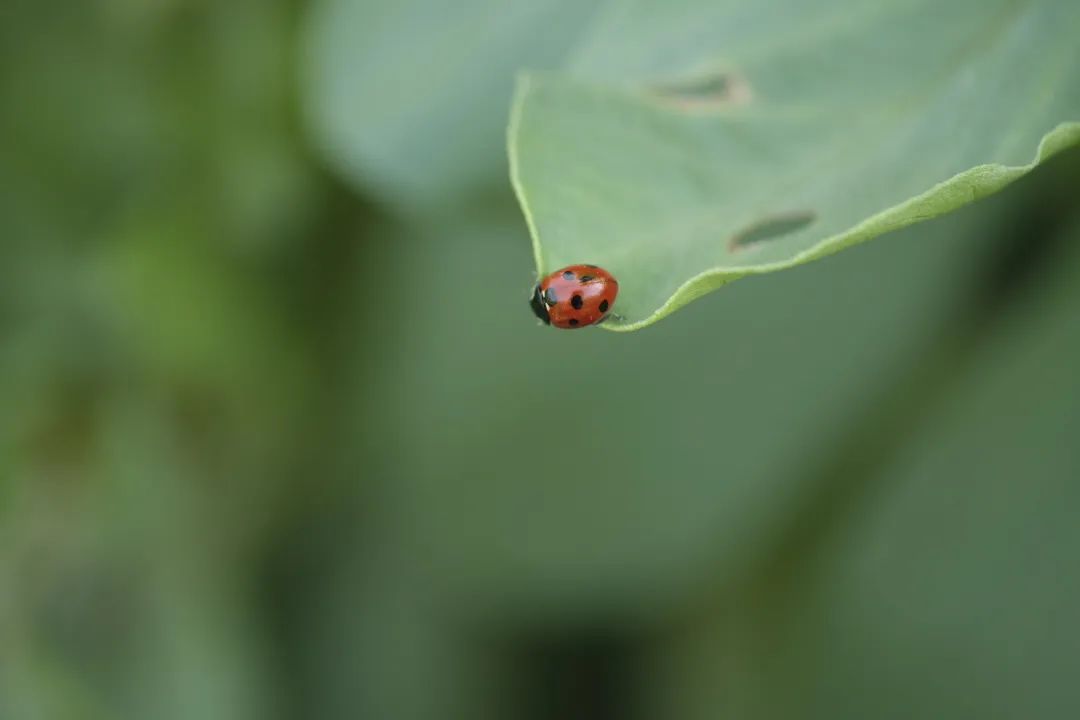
[(604, 319)]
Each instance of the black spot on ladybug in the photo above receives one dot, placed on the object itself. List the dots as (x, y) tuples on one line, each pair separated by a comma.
[(586, 278), (549, 296), (603, 306), (577, 302), (538, 307), (568, 275), (573, 321), (594, 267)]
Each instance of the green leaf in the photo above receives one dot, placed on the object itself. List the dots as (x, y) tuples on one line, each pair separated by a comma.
[(408, 99), (687, 144)]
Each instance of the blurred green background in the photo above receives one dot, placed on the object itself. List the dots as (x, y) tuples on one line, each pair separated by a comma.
[(281, 438)]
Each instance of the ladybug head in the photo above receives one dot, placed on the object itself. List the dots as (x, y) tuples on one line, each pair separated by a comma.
[(538, 306)]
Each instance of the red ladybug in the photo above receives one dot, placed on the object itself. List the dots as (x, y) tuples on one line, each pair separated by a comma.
[(575, 296)]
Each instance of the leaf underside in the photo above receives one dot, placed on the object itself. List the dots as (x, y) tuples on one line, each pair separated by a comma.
[(684, 147)]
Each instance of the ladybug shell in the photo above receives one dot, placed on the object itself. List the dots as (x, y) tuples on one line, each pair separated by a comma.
[(575, 296)]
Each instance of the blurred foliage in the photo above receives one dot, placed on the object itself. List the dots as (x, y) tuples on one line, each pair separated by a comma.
[(409, 99), (273, 449)]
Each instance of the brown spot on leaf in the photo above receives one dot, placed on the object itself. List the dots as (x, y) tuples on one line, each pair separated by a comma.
[(718, 89), (770, 228)]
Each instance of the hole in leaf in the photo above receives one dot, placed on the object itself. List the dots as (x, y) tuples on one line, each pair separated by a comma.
[(770, 228), (714, 90)]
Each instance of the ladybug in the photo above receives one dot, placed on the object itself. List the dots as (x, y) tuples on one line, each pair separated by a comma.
[(575, 296)]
